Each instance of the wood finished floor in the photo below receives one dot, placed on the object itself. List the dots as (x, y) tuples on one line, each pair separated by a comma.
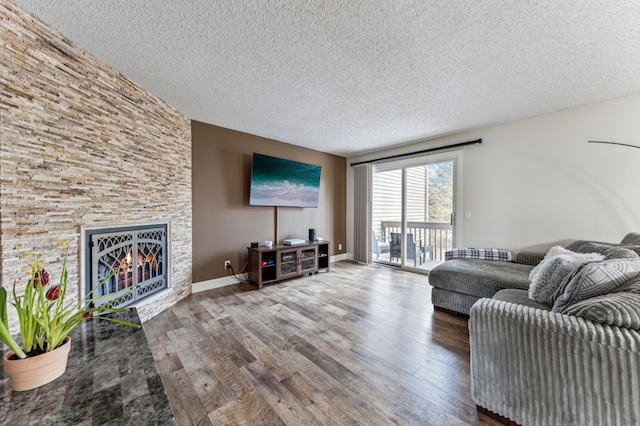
[(357, 345)]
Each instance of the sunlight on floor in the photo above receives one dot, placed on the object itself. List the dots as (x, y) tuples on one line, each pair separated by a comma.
[(426, 265)]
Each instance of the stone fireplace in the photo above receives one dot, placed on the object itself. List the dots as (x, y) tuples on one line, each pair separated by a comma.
[(126, 265), (81, 146)]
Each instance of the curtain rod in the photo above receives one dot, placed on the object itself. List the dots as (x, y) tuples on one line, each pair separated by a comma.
[(424, 151)]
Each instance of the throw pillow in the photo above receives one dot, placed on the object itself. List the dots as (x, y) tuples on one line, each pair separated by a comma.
[(479, 253), (633, 248), (632, 286), (595, 279), (553, 251), (617, 309), (610, 252), (551, 272)]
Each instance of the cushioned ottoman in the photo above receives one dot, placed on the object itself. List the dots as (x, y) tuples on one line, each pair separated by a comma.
[(459, 283)]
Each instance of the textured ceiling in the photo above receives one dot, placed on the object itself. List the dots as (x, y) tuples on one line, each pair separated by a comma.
[(346, 77)]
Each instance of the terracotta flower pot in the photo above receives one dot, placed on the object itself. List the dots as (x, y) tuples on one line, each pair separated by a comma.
[(31, 372)]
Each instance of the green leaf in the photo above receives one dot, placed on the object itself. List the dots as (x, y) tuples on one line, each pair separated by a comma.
[(3, 306), (5, 336), (127, 323)]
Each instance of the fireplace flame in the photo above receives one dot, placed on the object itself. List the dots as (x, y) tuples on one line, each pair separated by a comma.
[(149, 259)]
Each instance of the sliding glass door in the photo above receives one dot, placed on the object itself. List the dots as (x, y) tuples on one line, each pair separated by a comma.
[(412, 211), (386, 201)]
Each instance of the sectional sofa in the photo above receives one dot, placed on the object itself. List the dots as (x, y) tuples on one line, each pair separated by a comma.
[(459, 283), (575, 361)]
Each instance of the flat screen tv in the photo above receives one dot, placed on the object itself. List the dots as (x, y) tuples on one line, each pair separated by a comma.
[(283, 183)]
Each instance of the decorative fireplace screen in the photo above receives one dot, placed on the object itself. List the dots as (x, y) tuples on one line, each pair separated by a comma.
[(125, 259)]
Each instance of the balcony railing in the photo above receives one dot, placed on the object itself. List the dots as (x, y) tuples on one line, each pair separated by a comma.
[(434, 235)]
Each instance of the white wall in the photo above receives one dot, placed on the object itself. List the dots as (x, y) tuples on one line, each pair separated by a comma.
[(536, 182)]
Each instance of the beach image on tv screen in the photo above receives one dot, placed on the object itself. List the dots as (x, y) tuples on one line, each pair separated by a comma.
[(285, 183)]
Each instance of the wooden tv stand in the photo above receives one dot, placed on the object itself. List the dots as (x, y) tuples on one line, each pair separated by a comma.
[(267, 265)]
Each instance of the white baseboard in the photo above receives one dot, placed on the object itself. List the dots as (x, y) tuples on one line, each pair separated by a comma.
[(214, 283), (339, 257), (225, 281)]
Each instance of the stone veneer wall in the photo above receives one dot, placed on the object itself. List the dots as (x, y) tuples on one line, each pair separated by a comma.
[(80, 145)]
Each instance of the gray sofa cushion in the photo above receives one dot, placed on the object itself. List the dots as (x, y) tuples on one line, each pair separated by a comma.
[(595, 279), (526, 257), (480, 278), (632, 238), (514, 295), (576, 245)]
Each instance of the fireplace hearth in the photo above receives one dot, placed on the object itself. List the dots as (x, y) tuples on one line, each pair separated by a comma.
[(122, 259)]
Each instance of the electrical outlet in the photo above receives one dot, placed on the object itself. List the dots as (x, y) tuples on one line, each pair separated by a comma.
[(339, 246), (227, 264)]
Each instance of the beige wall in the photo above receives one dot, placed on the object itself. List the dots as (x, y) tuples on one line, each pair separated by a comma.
[(80, 145), (223, 222), (537, 182)]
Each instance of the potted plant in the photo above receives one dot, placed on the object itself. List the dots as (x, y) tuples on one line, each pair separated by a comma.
[(45, 322)]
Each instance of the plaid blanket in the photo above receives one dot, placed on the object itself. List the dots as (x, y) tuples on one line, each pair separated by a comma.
[(479, 253)]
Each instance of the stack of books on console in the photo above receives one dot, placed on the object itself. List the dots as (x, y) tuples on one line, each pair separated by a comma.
[(294, 242)]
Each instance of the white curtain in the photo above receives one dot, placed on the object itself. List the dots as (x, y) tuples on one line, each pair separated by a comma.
[(362, 213)]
